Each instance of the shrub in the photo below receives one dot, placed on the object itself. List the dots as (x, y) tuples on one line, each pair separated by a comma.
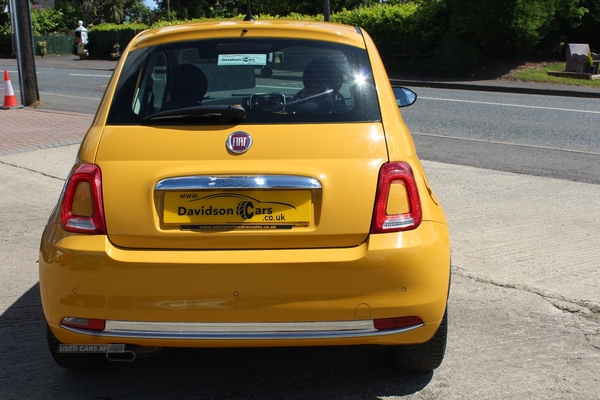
[(42, 48), (46, 20)]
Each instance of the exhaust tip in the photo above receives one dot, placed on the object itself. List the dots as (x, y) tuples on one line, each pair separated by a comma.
[(130, 352)]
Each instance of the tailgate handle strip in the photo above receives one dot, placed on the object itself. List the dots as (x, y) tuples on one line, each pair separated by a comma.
[(200, 182)]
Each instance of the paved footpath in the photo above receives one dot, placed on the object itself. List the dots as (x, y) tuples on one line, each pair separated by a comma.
[(23, 130)]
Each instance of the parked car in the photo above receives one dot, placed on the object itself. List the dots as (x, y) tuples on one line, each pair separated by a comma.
[(247, 183)]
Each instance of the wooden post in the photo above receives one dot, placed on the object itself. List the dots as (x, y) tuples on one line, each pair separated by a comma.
[(326, 11), (25, 54)]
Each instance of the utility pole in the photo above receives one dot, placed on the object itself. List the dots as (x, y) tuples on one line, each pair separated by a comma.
[(326, 11), (25, 54)]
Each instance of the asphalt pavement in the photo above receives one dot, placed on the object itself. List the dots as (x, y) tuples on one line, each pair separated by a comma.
[(524, 307)]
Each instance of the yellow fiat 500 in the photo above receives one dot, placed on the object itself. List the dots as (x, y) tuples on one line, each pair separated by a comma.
[(247, 183)]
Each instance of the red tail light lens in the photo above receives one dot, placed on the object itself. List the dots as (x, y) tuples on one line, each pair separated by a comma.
[(397, 323), (82, 208), (396, 179), (84, 323)]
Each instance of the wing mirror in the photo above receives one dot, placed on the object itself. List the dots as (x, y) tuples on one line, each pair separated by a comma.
[(404, 97)]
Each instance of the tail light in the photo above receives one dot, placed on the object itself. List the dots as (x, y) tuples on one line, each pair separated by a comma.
[(84, 323), (397, 204), (397, 323), (82, 208)]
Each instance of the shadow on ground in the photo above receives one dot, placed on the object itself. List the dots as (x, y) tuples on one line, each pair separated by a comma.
[(357, 372)]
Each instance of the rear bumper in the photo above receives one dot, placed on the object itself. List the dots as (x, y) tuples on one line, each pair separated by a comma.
[(246, 298)]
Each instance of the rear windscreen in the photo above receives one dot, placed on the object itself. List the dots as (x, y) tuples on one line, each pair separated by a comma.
[(263, 80)]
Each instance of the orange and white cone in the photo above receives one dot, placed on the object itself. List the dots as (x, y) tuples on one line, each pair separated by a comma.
[(10, 101)]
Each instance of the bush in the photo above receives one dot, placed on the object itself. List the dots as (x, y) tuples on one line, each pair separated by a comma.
[(46, 20)]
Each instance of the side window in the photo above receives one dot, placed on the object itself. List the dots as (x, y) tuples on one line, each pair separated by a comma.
[(151, 87)]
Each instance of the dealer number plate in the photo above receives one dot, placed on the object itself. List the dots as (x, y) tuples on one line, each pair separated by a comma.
[(239, 208)]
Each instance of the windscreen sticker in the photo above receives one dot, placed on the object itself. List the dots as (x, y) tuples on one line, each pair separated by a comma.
[(242, 59)]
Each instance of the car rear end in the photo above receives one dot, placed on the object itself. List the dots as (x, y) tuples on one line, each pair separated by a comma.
[(252, 211)]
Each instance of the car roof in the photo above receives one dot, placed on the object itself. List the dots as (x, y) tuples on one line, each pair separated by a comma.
[(311, 30)]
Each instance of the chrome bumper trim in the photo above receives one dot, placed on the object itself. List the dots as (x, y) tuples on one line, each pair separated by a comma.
[(239, 330)]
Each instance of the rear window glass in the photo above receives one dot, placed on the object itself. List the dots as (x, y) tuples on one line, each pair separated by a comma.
[(250, 81)]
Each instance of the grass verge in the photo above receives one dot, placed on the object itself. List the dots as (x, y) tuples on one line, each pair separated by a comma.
[(540, 74)]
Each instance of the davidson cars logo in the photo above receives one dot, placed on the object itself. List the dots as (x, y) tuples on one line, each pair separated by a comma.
[(239, 142)]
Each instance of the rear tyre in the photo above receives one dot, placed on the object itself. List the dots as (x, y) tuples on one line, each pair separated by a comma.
[(425, 356), (73, 360)]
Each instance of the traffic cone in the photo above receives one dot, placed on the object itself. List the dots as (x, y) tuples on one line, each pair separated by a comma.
[(10, 101)]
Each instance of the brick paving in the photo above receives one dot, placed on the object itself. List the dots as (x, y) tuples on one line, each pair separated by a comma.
[(25, 129)]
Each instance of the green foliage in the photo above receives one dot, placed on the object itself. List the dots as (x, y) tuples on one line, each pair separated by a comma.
[(501, 29), (193, 9), (388, 25), (588, 27), (70, 10), (46, 21), (4, 17), (110, 27), (291, 16), (306, 7), (407, 35), (449, 37), (5, 43), (139, 12), (186, 9), (42, 46), (489, 29), (114, 11)]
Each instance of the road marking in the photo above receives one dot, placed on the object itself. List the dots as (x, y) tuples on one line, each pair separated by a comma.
[(510, 105), (71, 97), (101, 76), (504, 143)]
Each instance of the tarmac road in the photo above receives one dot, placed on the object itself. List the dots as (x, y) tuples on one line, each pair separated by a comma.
[(524, 305)]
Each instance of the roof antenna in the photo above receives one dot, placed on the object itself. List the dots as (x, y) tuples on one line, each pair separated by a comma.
[(249, 16)]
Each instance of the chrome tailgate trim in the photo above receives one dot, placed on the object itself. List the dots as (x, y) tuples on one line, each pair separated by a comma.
[(238, 182)]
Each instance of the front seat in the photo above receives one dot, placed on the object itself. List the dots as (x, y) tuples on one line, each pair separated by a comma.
[(186, 87), (322, 80)]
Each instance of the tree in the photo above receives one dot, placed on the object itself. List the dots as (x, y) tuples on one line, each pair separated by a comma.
[(187, 9), (138, 11), (71, 13), (114, 11)]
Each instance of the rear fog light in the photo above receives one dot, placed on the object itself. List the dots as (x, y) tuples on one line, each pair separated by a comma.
[(397, 323), (84, 323)]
